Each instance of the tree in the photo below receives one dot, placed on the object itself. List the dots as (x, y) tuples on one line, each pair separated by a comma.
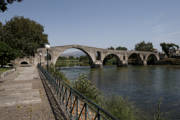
[(142, 46), (1, 28), (6, 53), (121, 48), (168, 48), (111, 48), (87, 88), (4, 3), (24, 35)]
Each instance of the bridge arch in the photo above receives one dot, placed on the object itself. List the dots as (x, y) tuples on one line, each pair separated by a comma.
[(135, 59), (58, 53), (152, 59), (118, 61), (24, 62)]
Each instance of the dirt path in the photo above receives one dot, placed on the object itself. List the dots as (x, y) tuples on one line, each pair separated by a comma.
[(22, 96)]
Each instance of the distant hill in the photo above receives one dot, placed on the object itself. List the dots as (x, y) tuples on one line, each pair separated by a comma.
[(73, 53)]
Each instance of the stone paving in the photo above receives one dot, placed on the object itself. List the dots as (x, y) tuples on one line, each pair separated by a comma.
[(22, 96)]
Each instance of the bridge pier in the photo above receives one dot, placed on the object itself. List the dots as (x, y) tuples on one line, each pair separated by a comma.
[(97, 64), (144, 62), (124, 63)]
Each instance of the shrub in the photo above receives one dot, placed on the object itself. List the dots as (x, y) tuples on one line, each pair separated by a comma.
[(85, 86), (121, 108), (56, 73)]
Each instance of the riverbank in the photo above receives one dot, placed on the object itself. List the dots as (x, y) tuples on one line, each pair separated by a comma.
[(169, 61)]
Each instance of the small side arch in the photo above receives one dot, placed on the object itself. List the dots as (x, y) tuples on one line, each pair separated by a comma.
[(24, 63), (152, 59), (117, 60), (135, 59)]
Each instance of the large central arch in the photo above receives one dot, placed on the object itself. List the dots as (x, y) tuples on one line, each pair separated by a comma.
[(60, 51)]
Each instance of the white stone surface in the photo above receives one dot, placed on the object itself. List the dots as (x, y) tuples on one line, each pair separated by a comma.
[(20, 90)]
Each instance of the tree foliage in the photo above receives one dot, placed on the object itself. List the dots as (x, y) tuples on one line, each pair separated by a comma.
[(121, 48), (1, 31), (118, 48), (24, 35), (111, 48), (167, 47), (4, 3), (142, 46), (6, 53), (87, 88), (121, 108)]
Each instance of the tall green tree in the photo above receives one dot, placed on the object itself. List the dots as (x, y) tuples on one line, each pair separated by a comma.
[(121, 48), (24, 35), (142, 46), (6, 53), (4, 3), (1, 29), (168, 47)]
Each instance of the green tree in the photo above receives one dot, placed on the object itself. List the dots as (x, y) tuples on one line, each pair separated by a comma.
[(87, 88), (6, 53), (83, 58), (111, 48), (121, 108), (121, 48), (1, 29), (142, 46), (24, 35), (4, 3), (167, 47)]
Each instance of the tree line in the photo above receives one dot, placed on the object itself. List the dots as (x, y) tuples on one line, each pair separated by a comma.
[(20, 37), (167, 48)]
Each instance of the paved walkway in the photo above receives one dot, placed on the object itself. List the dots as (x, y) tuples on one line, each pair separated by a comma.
[(22, 97)]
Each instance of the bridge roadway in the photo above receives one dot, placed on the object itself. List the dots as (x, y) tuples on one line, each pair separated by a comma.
[(22, 96)]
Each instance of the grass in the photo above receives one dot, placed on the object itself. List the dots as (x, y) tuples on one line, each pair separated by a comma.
[(3, 70)]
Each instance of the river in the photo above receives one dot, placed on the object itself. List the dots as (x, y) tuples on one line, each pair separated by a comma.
[(142, 85)]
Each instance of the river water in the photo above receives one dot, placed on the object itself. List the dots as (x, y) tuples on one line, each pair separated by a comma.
[(142, 85)]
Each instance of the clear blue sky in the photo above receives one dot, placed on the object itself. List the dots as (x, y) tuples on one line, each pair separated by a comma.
[(103, 23)]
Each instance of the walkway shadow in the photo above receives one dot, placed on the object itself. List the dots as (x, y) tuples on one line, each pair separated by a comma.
[(57, 111)]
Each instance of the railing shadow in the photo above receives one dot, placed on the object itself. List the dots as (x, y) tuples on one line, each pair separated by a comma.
[(58, 113)]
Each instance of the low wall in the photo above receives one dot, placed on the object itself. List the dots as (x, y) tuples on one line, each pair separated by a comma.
[(4, 74)]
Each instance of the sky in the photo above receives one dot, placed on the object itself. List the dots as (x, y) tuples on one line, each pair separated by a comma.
[(102, 23)]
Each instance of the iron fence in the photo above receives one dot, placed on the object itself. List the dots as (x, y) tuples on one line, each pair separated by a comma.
[(74, 104)]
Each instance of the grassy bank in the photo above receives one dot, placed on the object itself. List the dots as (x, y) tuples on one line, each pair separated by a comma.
[(3, 70), (169, 61)]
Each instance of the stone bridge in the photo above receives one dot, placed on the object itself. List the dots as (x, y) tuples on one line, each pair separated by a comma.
[(97, 56)]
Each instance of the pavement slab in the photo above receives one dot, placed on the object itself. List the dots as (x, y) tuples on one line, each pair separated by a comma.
[(22, 96)]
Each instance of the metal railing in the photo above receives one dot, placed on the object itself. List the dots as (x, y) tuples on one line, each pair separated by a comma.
[(74, 104)]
